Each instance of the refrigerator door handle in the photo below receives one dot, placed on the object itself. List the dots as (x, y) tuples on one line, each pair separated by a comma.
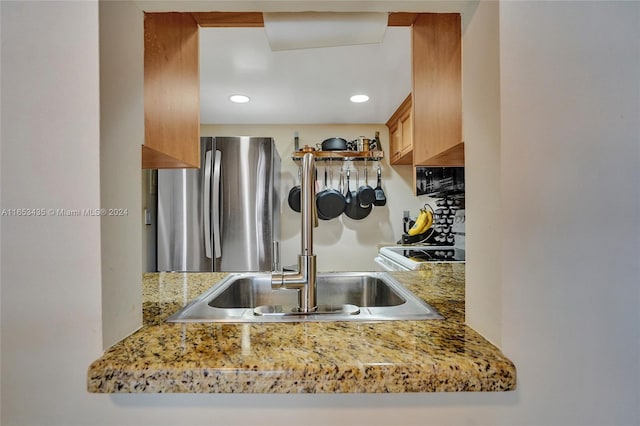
[(217, 166), (207, 205)]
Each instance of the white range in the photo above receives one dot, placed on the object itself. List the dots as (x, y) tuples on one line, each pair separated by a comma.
[(412, 257)]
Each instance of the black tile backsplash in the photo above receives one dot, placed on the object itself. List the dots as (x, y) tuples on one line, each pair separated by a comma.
[(439, 181)]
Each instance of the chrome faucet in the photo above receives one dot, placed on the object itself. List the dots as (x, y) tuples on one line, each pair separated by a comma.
[(304, 279)]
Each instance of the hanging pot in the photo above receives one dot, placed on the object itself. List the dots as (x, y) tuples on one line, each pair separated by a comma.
[(366, 194), (353, 209), (294, 196), (330, 202)]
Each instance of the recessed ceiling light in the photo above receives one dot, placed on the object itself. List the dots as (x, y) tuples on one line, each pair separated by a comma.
[(239, 99), (359, 98)]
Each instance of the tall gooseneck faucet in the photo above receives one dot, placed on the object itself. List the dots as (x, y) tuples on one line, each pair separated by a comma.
[(304, 279)]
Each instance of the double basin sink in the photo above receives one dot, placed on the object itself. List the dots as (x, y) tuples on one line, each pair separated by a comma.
[(341, 296)]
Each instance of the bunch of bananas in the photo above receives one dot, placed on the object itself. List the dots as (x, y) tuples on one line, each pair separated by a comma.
[(423, 222)]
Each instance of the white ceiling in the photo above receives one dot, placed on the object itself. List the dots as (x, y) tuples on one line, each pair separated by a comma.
[(302, 86)]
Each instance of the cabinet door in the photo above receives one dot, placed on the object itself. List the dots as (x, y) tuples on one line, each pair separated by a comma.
[(171, 91), (395, 144), (401, 134), (437, 90), (407, 133)]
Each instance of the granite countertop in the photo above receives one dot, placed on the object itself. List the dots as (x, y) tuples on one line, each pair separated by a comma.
[(309, 357)]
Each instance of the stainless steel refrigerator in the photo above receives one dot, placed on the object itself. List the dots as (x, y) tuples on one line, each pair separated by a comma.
[(224, 216)]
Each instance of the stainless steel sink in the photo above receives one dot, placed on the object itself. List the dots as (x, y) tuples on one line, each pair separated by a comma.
[(370, 296)]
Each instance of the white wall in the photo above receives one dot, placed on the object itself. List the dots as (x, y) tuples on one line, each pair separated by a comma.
[(341, 244), (569, 109)]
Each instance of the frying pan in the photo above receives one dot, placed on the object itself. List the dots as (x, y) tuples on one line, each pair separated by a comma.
[(353, 209), (294, 196), (381, 198), (366, 194), (329, 202)]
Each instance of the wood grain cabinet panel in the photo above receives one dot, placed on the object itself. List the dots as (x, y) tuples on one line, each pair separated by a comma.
[(171, 91), (437, 90)]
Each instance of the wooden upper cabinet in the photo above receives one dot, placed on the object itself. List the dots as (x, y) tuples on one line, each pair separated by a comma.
[(171, 91), (401, 134), (437, 90)]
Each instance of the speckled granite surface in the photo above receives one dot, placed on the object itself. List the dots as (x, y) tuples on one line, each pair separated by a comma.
[(390, 356)]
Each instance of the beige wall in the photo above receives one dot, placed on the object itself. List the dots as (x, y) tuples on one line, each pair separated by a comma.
[(570, 114), (50, 267), (341, 244), (481, 130), (121, 135), (569, 133)]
